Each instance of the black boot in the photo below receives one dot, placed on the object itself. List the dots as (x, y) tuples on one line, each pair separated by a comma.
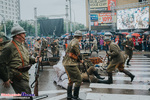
[(69, 92), (129, 74), (149, 89), (109, 81), (97, 75), (76, 93), (128, 62)]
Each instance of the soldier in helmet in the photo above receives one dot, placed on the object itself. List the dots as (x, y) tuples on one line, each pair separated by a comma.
[(37, 46), (117, 61), (3, 41), (54, 48), (94, 48), (15, 56), (129, 46), (71, 62)]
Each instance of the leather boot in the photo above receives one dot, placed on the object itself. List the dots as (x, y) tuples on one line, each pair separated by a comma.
[(97, 75), (128, 62), (69, 92), (76, 93), (129, 74), (109, 81)]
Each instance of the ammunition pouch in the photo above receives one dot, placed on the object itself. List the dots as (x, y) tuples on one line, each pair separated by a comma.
[(24, 68)]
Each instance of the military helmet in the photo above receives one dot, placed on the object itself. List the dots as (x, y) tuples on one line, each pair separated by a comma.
[(2, 34), (107, 38), (78, 33), (17, 30), (128, 36)]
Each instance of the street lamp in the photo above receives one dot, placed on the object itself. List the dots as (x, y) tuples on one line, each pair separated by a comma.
[(4, 22)]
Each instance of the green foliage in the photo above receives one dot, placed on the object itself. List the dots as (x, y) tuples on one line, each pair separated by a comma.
[(9, 25)]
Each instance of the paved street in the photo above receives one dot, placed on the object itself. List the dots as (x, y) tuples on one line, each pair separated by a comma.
[(121, 89)]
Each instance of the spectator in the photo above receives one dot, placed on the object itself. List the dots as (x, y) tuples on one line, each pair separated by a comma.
[(101, 43)]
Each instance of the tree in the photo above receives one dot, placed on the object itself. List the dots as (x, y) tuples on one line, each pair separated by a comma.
[(9, 25)]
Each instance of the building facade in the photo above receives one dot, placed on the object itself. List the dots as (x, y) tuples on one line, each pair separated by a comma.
[(10, 10), (109, 15)]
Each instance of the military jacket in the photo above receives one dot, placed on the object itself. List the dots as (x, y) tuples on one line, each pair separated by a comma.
[(128, 50), (37, 46), (73, 47), (44, 43), (10, 59), (115, 53)]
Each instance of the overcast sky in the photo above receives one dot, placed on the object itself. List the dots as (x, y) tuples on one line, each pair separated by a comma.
[(52, 7)]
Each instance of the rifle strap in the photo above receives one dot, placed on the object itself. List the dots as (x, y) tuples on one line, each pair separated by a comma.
[(18, 52)]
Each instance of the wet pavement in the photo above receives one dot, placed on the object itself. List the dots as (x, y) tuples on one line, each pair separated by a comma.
[(122, 89)]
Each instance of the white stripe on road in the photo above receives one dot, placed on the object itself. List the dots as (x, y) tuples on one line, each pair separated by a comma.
[(136, 73), (60, 91), (141, 58), (102, 96), (135, 68), (119, 86), (140, 62), (139, 65), (138, 79)]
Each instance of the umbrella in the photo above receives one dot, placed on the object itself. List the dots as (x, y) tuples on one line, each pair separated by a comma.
[(88, 34), (67, 34), (100, 33), (138, 31), (125, 33), (135, 34), (147, 33), (108, 34)]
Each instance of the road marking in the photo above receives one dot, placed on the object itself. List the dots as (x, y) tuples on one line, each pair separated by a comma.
[(142, 69), (51, 92), (139, 65), (138, 79), (139, 60), (102, 96), (120, 86), (137, 73)]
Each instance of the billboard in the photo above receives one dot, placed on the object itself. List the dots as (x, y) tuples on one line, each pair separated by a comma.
[(101, 19), (102, 5), (135, 18)]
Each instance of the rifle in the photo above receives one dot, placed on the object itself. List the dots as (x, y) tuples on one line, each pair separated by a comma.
[(37, 67), (85, 69)]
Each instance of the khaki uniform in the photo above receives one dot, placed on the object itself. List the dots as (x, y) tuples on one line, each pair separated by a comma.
[(91, 75), (94, 48), (71, 65), (117, 58), (55, 49), (37, 46), (9, 61), (128, 50), (3, 42), (44, 47)]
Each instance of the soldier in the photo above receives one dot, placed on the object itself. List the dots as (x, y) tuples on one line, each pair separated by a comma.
[(54, 48), (3, 41), (117, 61), (15, 57), (70, 62), (37, 46), (44, 48), (93, 74), (128, 47), (94, 48)]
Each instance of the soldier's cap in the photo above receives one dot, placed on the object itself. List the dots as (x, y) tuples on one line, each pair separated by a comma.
[(17, 30), (106, 39), (2, 34), (77, 33)]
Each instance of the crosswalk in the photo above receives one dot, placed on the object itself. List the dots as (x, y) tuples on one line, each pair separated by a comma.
[(123, 89)]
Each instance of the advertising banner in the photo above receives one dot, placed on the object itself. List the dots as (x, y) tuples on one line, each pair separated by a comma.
[(98, 4), (94, 17), (102, 5), (135, 18), (105, 18)]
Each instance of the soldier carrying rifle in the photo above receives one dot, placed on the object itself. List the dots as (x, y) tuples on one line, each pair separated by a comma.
[(15, 62)]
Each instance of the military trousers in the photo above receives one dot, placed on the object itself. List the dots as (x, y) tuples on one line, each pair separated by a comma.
[(113, 67), (91, 75), (74, 75), (21, 86)]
